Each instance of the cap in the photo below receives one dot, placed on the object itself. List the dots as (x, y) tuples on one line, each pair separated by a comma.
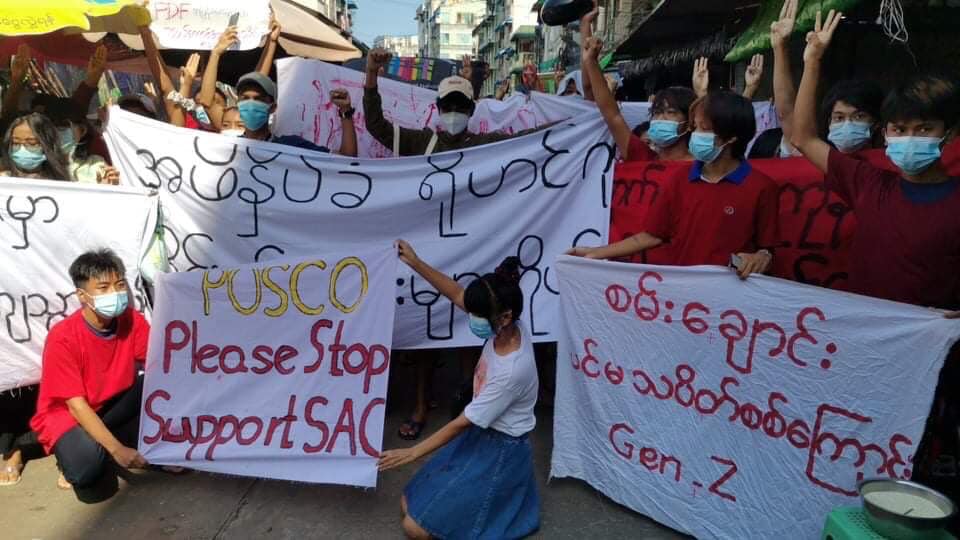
[(258, 79), (139, 100), (455, 84)]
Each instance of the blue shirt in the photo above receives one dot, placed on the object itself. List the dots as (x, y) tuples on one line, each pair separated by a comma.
[(736, 177)]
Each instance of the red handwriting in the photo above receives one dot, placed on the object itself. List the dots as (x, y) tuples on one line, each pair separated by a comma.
[(646, 456), (734, 326), (768, 419), (216, 431), (732, 470)]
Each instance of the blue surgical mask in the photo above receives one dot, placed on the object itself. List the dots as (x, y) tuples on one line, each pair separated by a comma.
[(27, 159), (663, 133), (254, 114), (703, 146), (481, 327), (913, 155), (849, 136), (110, 305), (67, 142)]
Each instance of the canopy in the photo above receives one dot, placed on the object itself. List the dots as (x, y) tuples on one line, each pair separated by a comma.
[(676, 22), (35, 17), (756, 38)]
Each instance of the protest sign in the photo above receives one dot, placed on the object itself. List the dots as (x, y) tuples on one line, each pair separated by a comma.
[(44, 226), (229, 201), (197, 25), (737, 409), (275, 370), (816, 227)]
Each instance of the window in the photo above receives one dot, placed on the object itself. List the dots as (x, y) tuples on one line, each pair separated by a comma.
[(445, 39)]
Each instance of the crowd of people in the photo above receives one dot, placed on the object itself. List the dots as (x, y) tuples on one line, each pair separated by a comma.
[(480, 481)]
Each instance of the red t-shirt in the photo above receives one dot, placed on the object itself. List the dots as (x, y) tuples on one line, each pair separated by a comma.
[(78, 362), (639, 151), (907, 243), (705, 223)]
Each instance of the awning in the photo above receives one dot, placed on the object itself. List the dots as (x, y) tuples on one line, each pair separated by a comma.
[(526, 31), (679, 21), (756, 38), (37, 17)]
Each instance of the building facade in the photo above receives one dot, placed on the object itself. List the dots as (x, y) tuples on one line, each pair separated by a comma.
[(403, 46), (445, 27), (340, 12)]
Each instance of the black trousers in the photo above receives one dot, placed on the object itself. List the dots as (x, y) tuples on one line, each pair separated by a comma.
[(17, 407), (81, 459)]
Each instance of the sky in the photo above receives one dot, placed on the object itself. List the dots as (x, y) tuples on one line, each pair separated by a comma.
[(384, 17)]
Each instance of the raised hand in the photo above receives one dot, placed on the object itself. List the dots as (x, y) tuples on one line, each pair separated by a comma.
[(819, 39), (21, 64), (592, 47), (376, 59), (467, 70), (274, 28), (227, 39), (701, 76), (341, 98), (754, 72), (188, 73), (96, 65), (150, 90), (781, 29)]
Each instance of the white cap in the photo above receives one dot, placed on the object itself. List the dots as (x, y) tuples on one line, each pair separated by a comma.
[(455, 84)]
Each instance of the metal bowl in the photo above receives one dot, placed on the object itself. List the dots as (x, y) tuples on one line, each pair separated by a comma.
[(902, 526)]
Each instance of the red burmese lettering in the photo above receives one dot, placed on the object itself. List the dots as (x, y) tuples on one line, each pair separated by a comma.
[(820, 436), (647, 382), (731, 470), (284, 353), (695, 325), (368, 448), (685, 377), (759, 328), (798, 434), (170, 345), (317, 344), (750, 416), (314, 422), (618, 298), (345, 424), (647, 314), (735, 333), (240, 367), (162, 423), (614, 373), (803, 334), (589, 357), (897, 459), (774, 424)]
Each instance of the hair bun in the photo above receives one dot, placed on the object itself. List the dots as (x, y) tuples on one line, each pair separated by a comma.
[(509, 270)]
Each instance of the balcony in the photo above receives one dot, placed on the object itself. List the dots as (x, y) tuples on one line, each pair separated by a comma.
[(523, 59)]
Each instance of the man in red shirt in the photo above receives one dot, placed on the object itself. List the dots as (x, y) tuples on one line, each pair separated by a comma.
[(90, 393), (718, 206)]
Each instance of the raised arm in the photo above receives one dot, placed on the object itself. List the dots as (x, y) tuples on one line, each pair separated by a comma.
[(18, 71), (701, 76), (348, 133), (443, 283), (270, 50), (88, 88), (208, 87), (805, 113), (601, 93), (753, 76), (158, 69), (784, 89)]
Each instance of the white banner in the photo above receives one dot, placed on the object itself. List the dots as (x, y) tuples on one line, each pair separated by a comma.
[(273, 370), (737, 409), (44, 226), (304, 107), (227, 202), (197, 25)]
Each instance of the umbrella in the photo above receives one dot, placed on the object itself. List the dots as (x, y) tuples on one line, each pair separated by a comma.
[(34, 17)]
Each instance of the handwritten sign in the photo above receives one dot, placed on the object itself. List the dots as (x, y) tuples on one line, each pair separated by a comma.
[(197, 24), (727, 408), (44, 226), (816, 227), (273, 370), (228, 202)]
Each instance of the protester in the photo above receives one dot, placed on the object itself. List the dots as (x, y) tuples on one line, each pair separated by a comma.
[(31, 149), (256, 99), (90, 393), (718, 206), (529, 81), (75, 140), (18, 406), (158, 68), (214, 102), (481, 482), (669, 129), (454, 102), (231, 124)]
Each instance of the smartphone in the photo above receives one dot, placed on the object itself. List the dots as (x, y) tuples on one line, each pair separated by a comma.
[(736, 261), (234, 19)]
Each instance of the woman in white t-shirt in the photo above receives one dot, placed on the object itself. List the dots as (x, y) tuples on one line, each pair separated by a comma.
[(480, 484)]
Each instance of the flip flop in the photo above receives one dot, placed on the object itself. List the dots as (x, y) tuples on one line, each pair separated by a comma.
[(10, 469), (412, 428), (63, 484)]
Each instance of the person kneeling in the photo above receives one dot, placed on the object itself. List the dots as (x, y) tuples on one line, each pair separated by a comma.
[(89, 402), (480, 484)]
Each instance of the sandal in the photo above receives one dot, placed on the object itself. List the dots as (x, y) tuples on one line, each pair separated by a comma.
[(11, 470), (63, 484), (410, 430)]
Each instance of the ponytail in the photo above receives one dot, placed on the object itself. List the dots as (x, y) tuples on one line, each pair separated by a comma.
[(497, 292)]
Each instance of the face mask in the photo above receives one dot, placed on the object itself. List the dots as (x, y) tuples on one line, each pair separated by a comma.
[(110, 305), (703, 146), (254, 114), (663, 133), (232, 132), (481, 327), (26, 159), (849, 136), (913, 155), (67, 142), (454, 122)]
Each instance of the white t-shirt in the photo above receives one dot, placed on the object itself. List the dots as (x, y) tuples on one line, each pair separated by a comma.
[(505, 389)]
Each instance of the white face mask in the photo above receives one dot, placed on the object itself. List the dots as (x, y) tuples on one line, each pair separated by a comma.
[(454, 123), (232, 132)]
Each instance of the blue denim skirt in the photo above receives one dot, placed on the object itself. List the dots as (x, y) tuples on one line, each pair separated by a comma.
[(480, 485)]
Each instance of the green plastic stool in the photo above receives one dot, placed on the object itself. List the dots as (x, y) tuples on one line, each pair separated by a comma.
[(850, 523)]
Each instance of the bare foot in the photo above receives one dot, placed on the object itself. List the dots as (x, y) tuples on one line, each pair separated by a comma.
[(10, 470)]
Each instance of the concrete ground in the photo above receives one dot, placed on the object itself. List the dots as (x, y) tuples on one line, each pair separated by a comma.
[(205, 506)]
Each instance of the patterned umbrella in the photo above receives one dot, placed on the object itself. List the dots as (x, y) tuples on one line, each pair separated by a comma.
[(34, 17)]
